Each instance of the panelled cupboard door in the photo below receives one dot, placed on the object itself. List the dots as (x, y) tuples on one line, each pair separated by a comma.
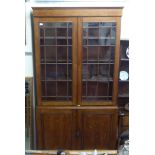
[(98, 128), (98, 60), (56, 60), (55, 129)]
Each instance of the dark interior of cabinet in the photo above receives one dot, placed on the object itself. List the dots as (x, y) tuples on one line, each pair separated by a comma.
[(123, 93)]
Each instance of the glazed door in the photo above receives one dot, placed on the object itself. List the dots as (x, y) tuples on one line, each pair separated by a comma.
[(98, 128), (98, 59), (56, 64)]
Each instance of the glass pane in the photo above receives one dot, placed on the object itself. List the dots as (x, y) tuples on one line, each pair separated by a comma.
[(69, 41), (61, 41), (92, 71), (49, 42), (85, 42), (60, 24), (93, 24), (41, 32), (93, 41), (98, 60), (92, 89), (104, 53), (104, 72), (42, 71), (69, 32), (107, 24), (50, 54), (85, 32), (105, 32), (49, 32), (42, 41), (51, 72), (50, 24), (61, 32), (84, 89), (92, 53), (69, 25), (42, 54), (69, 72), (84, 72), (93, 32), (56, 61), (105, 89), (51, 87), (113, 32), (62, 89), (61, 72), (62, 53), (84, 53), (70, 54), (102, 89)]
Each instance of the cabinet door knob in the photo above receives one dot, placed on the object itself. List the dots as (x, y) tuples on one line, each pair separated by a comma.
[(78, 105)]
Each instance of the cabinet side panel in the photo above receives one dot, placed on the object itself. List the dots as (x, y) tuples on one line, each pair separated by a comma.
[(37, 60)]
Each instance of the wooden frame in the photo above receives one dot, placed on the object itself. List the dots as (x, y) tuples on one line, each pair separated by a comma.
[(77, 12)]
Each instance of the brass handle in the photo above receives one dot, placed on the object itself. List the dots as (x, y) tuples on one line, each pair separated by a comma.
[(78, 105)]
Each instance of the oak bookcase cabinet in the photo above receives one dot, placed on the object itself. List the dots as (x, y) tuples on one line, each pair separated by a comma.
[(77, 69)]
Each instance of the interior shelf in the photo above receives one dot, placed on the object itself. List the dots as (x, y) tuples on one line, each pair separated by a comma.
[(98, 63), (61, 63), (125, 59), (63, 80), (123, 95), (123, 80)]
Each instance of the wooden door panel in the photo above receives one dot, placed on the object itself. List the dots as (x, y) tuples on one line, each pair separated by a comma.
[(98, 129), (55, 129)]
